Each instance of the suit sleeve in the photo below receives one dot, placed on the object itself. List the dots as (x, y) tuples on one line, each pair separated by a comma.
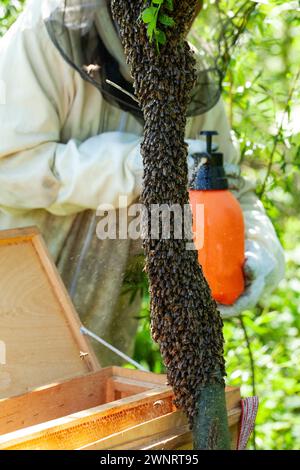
[(37, 170)]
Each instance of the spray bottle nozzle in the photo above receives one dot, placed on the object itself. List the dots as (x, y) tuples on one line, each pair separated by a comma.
[(209, 136)]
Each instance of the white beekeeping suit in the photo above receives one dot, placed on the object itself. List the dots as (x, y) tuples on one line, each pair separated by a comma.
[(67, 146)]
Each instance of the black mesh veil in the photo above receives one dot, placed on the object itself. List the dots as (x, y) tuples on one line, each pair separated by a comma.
[(218, 30), (87, 38)]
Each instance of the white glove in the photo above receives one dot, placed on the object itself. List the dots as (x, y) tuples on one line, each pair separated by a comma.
[(258, 269)]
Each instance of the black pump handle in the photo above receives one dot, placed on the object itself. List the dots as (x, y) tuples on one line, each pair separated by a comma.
[(209, 135)]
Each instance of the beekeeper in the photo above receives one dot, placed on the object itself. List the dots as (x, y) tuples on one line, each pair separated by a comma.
[(70, 141)]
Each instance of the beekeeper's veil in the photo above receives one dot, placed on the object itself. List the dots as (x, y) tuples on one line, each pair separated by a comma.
[(87, 37)]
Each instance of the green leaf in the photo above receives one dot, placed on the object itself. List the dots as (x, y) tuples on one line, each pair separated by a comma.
[(148, 15), (161, 37), (166, 20), (157, 2), (150, 30), (170, 5)]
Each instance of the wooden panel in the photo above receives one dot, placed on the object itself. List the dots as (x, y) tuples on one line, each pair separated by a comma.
[(143, 431), (147, 420), (177, 439), (234, 433), (143, 376), (167, 432), (125, 382), (70, 396), (38, 323), (233, 397), (174, 438), (79, 429), (53, 401), (128, 387)]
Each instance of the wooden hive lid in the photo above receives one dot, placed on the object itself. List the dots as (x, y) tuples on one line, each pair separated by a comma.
[(40, 339)]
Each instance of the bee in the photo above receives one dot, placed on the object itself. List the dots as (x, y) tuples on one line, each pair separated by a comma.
[(184, 319)]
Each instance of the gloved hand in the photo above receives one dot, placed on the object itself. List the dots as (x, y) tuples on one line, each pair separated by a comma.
[(258, 268)]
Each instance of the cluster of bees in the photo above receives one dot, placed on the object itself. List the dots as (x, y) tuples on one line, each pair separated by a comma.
[(184, 318)]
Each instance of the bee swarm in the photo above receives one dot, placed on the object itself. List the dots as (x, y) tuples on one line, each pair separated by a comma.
[(184, 318)]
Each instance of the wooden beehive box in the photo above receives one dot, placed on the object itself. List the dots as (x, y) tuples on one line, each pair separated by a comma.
[(84, 407)]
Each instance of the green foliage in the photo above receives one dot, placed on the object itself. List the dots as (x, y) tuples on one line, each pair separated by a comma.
[(154, 17), (8, 13), (146, 351)]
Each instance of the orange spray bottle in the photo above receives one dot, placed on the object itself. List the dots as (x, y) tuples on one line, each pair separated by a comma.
[(218, 226)]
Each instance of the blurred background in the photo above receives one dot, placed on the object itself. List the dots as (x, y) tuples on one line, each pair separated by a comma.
[(261, 91)]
